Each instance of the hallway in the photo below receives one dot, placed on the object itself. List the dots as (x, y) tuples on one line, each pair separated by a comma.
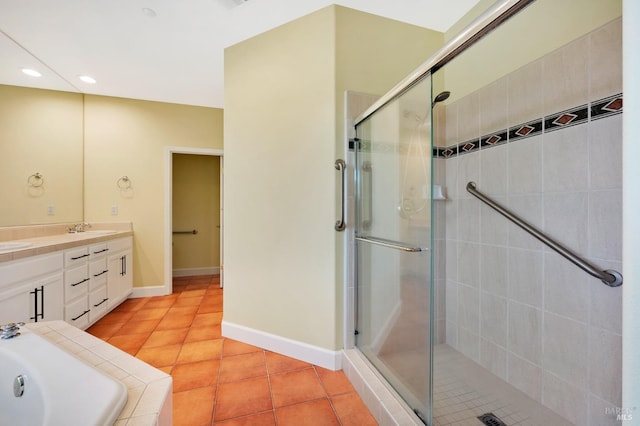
[(223, 381)]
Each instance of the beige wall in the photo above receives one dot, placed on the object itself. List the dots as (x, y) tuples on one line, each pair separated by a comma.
[(283, 131), (279, 131), (541, 28), (196, 205), (40, 132), (125, 137)]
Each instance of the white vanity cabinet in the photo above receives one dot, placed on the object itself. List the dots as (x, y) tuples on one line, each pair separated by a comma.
[(78, 285), (120, 265), (31, 289), (98, 278)]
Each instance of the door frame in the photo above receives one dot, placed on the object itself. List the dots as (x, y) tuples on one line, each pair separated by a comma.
[(168, 205)]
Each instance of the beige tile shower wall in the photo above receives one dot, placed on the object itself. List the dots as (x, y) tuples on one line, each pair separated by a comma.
[(512, 305)]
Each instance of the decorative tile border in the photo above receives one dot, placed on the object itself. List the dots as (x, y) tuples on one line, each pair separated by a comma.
[(606, 107), (495, 139), (567, 118), (468, 147), (525, 130), (595, 110)]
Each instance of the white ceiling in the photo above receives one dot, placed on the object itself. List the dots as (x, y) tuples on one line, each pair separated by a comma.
[(176, 56)]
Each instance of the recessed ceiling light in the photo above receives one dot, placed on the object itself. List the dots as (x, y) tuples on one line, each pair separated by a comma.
[(149, 12), (32, 73), (87, 79)]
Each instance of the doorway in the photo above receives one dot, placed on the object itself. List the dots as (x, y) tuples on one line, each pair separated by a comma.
[(193, 213)]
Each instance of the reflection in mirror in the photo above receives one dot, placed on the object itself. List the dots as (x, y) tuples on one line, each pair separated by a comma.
[(40, 135)]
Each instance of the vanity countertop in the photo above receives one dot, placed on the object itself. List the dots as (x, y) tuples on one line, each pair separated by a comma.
[(50, 238)]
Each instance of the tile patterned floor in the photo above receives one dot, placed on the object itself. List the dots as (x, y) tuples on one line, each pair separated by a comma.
[(463, 390), (223, 381)]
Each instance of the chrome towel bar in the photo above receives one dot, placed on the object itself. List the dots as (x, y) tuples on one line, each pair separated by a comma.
[(609, 277), (391, 244)]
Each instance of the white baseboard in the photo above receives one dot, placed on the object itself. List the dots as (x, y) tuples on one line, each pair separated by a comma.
[(322, 357), (188, 272), (156, 290)]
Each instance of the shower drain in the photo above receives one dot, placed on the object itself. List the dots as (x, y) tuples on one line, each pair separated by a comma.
[(491, 419)]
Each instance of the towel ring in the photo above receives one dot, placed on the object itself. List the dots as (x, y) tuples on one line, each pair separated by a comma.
[(35, 180), (124, 183)]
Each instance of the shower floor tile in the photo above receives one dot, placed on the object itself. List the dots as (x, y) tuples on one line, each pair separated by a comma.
[(463, 390)]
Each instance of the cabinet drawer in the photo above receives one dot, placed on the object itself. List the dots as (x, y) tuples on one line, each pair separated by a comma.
[(95, 283), (98, 250), (98, 272), (76, 282), (76, 256), (98, 303), (30, 268), (77, 313)]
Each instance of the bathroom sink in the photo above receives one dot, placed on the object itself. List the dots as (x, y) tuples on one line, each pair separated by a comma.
[(100, 232), (13, 245)]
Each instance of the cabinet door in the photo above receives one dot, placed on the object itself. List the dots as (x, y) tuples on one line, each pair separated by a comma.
[(117, 278), (15, 306), (38, 300), (50, 305), (126, 286)]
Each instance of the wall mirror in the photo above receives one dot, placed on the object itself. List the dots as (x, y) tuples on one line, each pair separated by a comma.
[(41, 144)]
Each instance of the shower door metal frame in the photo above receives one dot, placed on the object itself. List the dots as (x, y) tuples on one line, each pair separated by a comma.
[(480, 27)]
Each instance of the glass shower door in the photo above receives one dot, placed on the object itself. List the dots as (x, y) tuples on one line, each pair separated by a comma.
[(393, 244)]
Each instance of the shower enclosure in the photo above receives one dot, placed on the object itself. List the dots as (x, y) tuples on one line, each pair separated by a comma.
[(393, 243), (467, 317)]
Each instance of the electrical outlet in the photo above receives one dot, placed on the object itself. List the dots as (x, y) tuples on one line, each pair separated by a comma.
[(51, 210), (114, 210)]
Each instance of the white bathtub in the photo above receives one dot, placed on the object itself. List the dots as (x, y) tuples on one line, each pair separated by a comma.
[(59, 389)]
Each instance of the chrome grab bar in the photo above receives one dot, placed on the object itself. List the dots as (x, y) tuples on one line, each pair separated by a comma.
[(391, 244), (341, 166), (609, 277), (193, 231)]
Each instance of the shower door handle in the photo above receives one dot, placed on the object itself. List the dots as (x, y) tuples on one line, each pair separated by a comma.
[(341, 166), (366, 214)]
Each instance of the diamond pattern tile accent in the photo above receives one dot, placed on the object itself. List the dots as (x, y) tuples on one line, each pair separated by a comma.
[(565, 119), (614, 106), (494, 139), (524, 130)]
